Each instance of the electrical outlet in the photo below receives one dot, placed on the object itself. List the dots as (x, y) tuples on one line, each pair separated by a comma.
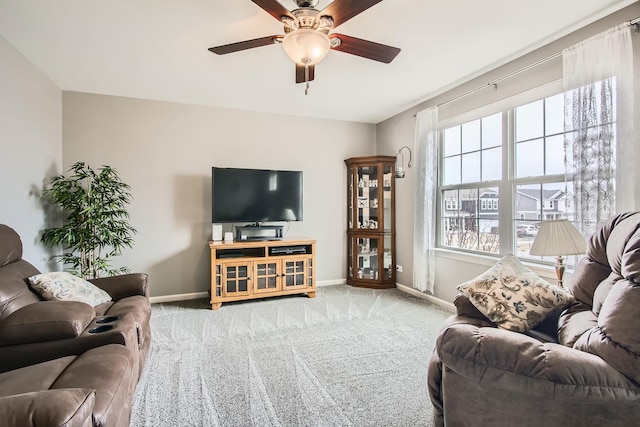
[(399, 268)]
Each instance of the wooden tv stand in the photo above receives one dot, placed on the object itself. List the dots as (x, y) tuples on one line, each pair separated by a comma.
[(262, 268)]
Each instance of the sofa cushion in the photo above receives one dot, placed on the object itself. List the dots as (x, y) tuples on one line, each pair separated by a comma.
[(512, 296), (52, 408), (585, 279), (615, 338), (574, 322), (14, 288), (10, 245), (608, 328), (63, 286), (45, 321), (111, 371), (32, 378), (14, 292)]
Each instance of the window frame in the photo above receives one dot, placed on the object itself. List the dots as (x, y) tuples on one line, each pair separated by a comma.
[(507, 214)]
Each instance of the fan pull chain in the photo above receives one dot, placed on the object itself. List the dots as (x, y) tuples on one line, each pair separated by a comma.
[(306, 78)]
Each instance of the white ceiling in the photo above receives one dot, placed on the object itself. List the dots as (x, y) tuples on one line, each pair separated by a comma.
[(157, 49)]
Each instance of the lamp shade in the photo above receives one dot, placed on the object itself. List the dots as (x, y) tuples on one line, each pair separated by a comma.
[(306, 46), (557, 238)]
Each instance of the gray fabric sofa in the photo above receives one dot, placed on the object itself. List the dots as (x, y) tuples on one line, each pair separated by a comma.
[(580, 367)]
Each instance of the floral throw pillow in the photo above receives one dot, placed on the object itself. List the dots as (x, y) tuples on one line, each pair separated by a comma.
[(512, 296), (62, 286)]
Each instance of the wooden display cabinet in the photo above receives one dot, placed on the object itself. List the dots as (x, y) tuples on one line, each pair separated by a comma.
[(260, 269), (371, 222)]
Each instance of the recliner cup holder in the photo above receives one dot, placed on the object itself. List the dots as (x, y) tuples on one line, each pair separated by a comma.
[(101, 328), (108, 319)]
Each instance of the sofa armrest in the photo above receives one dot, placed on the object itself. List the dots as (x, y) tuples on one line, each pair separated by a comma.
[(506, 360), (63, 407), (468, 313), (124, 285), (45, 321), (458, 319)]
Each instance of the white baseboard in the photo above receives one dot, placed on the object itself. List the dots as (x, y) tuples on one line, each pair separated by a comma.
[(330, 282), (179, 297), (442, 303), (198, 295)]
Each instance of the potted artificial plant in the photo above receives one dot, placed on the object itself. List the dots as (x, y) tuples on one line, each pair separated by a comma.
[(95, 226)]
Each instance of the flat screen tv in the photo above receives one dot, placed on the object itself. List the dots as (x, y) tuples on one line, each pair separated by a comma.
[(255, 195)]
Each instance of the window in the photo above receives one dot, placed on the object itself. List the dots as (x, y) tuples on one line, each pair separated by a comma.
[(451, 205), (472, 154), (506, 172)]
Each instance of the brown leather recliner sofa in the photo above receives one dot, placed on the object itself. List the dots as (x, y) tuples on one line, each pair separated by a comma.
[(94, 388), (87, 358), (580, 367)]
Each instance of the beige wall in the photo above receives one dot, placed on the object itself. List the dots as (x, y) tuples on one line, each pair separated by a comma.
[(31, 147), (453, 269), (165, 151)]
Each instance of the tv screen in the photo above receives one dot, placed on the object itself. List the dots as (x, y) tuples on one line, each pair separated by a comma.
[(256, 195)]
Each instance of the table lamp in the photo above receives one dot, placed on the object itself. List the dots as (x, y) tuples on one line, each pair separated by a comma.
[(558, 238)]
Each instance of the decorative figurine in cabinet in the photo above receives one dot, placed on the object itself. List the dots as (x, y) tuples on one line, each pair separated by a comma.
[(371, 226)]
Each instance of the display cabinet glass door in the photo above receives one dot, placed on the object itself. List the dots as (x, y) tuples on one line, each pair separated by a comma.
[(236, 278), (371, 258), (350, 212), (387, 258), (367, 258), (368, 198), (387, 194), (351, 270)]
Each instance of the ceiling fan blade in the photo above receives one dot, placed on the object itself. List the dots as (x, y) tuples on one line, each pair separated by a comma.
[(300, 77), (247, 44), (274, 8), (365, 48), (343, 10)]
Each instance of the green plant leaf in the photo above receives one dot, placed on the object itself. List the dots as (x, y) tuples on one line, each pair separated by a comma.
[(94, 206)]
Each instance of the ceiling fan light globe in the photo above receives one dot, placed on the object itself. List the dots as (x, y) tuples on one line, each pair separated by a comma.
[(306, 46)]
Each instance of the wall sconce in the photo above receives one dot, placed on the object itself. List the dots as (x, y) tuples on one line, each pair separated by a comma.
[(399, 173)]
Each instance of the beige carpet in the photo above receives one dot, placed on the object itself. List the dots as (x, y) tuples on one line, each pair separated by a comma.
[(349, 357)]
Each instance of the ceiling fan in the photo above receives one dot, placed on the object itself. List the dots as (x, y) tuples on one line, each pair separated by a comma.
[(307, 39)]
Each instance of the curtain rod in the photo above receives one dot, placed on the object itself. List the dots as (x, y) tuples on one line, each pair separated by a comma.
[(494, 84)]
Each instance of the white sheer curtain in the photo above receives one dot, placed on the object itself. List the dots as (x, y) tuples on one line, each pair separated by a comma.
[(600, 169), (425, 187)]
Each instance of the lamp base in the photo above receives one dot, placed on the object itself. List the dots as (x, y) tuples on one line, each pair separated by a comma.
[(560, 270)]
